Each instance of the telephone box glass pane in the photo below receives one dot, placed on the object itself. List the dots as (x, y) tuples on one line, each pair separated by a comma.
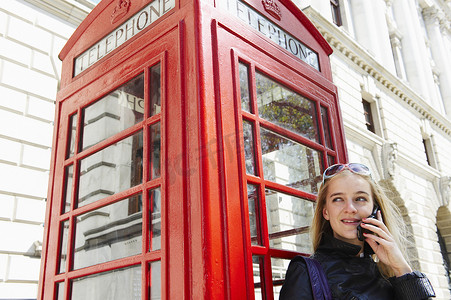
[(289, 220), (68, 177), (59, 291), (155, 219), (72, 134), (113, 113), (279, 268), (155, 90), (111, 170), (325, 119), (155, 280), (253, 199), (155, 151), (249, 153), (290, 163), (64, 236), (258, 271), (106, 234), (244, 87), (116, 284), (286, 108)]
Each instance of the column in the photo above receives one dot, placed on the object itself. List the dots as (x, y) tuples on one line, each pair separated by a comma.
[(414, 50), (371, 30), (437, 27)]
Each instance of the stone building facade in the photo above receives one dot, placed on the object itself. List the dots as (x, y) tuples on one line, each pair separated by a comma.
[(32, 33), (391, 65)]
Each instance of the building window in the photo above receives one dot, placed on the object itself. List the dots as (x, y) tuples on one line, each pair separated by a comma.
[(428, 150), (336, 15), (369, 120), (396, 45)]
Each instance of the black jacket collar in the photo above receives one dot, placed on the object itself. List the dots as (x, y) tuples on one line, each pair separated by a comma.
[(330, 244)]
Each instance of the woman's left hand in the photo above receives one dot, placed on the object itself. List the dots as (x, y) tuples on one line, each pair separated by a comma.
[(384, 246)]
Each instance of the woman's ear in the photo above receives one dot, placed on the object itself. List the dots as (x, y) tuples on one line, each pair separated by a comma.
[(326, 214)]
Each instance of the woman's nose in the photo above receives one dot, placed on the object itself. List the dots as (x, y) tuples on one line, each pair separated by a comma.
[(349, 207)]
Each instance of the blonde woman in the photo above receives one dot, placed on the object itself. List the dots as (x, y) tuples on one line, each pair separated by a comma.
[(358, 239)]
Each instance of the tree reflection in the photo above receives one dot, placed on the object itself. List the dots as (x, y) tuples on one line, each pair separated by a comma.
[(286, 108)]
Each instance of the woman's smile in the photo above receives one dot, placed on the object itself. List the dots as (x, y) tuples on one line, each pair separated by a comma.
[(351, 221)]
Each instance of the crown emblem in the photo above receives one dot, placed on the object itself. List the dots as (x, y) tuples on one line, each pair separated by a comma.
[(120, 10), (272, 8)]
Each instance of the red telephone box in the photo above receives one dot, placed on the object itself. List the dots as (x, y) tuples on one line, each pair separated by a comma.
[(190, 139)]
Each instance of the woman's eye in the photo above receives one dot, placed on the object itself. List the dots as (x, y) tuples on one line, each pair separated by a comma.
[(361, 199), (336, 199)]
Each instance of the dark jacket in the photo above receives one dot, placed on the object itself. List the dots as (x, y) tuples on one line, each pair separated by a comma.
[(352, 277)]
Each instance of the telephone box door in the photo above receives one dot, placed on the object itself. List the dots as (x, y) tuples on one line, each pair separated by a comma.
[(280, 127)]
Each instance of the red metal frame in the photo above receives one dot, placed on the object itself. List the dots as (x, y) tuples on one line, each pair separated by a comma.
[(205, 251)]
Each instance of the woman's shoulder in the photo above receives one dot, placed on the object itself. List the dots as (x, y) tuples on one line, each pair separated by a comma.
[(297, 267), (297, 282)]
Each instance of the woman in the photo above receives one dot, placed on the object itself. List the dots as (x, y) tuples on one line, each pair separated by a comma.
[(371, 268)]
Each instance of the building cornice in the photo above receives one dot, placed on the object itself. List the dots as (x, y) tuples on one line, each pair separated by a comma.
[(71, 11), (347, 46)]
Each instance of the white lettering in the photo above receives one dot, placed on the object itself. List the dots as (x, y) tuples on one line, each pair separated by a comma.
[(167, 6), (140, 20), (129, 28), (292, 44), (155, 11), (108, 42), (91, 56), (241, 13), (119, 34), (149, 14), (263, 25)]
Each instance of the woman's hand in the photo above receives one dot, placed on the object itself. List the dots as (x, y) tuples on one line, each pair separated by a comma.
[(384, 246)]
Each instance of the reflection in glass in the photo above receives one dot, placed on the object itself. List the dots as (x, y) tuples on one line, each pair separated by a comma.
[(286, 108), (113, 113), (253, 202), (249, 154), (288, 219), (155, 219), (116, 284), (155, 280), (279, 268), (326, 127), (64, 237), (155, 90), (290, 163), (111, 170), (258, 272), (59, 290), (244, 87), (72, 135), (68, 177), (155, 151), (106, 234)]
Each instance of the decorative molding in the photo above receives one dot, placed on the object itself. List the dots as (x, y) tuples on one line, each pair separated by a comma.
[(389, 157), (272, 8), (344, 44), (70, 11), (120, 10), (445, 188)]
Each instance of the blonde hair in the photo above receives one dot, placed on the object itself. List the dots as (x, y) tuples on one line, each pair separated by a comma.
[(391, 216)]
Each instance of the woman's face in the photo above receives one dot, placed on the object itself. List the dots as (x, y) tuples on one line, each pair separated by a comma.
[(348, 201)]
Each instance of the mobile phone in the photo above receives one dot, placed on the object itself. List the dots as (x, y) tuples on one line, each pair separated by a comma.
[(360, 230)]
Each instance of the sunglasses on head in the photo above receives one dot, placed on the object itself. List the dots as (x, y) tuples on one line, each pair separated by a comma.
[(353, 167)]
